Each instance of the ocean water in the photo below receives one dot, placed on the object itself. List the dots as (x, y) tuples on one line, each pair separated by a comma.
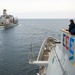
[(15, 44)]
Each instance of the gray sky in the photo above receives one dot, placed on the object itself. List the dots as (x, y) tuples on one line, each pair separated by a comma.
[(39, 8)]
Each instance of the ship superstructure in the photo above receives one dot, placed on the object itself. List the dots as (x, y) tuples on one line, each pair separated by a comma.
[(8, 20)]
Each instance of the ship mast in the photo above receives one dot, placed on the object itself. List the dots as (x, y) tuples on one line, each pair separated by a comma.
[(4, 12)]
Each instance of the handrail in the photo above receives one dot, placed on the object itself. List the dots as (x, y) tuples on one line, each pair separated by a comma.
[(30, 54), (64, 72)]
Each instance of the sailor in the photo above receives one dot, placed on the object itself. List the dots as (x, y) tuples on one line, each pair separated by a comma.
[(72, 27)]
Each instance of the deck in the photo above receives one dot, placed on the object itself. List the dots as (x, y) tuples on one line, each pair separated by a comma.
[(46, 52)]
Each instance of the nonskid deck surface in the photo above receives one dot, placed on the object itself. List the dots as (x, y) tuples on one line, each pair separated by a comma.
[(46, 55), (48, 47)]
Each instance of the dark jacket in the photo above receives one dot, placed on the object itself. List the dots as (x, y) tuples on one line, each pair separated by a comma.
[(71, 26)]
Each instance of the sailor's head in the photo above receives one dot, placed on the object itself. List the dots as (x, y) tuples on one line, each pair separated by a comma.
[(4, 10), (71, 20)]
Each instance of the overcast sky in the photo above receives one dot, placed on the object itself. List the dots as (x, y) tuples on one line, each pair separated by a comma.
[(39, 8)]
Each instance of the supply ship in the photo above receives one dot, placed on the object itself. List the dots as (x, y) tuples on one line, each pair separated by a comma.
[(8, 21)]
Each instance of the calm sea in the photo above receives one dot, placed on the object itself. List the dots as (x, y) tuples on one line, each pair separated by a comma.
[(15, 43)]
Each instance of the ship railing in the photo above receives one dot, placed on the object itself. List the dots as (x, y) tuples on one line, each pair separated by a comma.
[(33, 61), (31, 55), (54, 51)]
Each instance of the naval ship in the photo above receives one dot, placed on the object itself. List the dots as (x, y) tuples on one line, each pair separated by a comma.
[(8, 21), (56, 57)]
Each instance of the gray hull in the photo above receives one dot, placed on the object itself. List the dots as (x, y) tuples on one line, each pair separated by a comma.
[(10, 25)]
